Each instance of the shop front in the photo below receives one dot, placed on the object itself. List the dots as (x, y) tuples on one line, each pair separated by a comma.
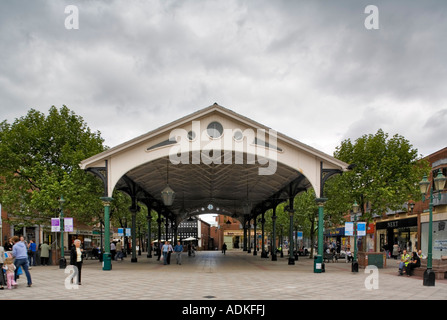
[(403, 232), (336, 237), (439, 235), (233, 238), (89, 239)]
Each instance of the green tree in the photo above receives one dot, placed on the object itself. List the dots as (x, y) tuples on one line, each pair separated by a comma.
[(306, 213), (385, 176), (40, 163)]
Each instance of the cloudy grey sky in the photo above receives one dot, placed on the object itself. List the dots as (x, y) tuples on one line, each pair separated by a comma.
[(308, 69)]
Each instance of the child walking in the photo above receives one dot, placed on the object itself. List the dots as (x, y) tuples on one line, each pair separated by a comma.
[(10, 268)]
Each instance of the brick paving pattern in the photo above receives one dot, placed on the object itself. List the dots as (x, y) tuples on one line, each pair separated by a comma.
[(210, 275)]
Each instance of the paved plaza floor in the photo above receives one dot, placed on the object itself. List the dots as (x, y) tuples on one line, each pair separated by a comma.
[(211, 276)]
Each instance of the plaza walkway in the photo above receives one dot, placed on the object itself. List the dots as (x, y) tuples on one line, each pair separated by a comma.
[(210, 275)]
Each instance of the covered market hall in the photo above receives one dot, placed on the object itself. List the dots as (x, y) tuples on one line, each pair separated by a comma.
[(213, 158)]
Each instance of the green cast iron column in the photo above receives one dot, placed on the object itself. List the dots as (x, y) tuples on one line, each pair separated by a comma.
[(320, 202), (273, 245), (107, 256)]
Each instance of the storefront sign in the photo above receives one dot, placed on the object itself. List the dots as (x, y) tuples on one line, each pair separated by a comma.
[(397, 224), (335, 232)]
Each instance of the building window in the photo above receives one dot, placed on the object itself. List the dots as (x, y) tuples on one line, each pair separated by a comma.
[(215, 130)]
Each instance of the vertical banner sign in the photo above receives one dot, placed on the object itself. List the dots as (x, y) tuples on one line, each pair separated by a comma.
[(128, 233), (361, 228), (55, 225), (349, 228), (299, 235), (120, 232), (68, 224)]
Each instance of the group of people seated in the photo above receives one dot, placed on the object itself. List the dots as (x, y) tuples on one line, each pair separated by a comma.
[(408, 262)]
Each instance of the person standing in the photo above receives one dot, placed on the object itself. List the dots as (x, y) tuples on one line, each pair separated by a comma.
[(119, 251), (76, 258), (44, 253), (113, 250), (178, 249), (20, 254), (2, 260), (9, 245), (32, 252), (395, 251), (9, 267)]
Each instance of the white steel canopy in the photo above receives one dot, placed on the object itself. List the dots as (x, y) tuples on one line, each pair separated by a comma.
[(216, 161)]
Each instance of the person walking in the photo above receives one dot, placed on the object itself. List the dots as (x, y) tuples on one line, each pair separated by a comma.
[(178, 249), (44, 253), (165, 250), (76, 258), (224, 248), (19, 252)]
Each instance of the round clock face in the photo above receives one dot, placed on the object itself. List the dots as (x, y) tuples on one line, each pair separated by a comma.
[(210, 207)]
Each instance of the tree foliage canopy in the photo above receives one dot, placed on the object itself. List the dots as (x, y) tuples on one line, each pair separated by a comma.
[(386, 175), (40, 163)]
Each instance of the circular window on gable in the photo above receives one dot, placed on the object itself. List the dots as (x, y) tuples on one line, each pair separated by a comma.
[(214, 130), (238, 135), (191, 135)]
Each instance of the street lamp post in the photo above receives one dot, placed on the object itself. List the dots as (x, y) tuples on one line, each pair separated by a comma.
[(439, 182), (62, 261), (355, 264)]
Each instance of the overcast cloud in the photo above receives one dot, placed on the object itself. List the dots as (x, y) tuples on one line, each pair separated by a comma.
[(308, 69)]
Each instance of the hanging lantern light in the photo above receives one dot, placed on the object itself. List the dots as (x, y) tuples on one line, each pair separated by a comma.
[(167, 195)]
